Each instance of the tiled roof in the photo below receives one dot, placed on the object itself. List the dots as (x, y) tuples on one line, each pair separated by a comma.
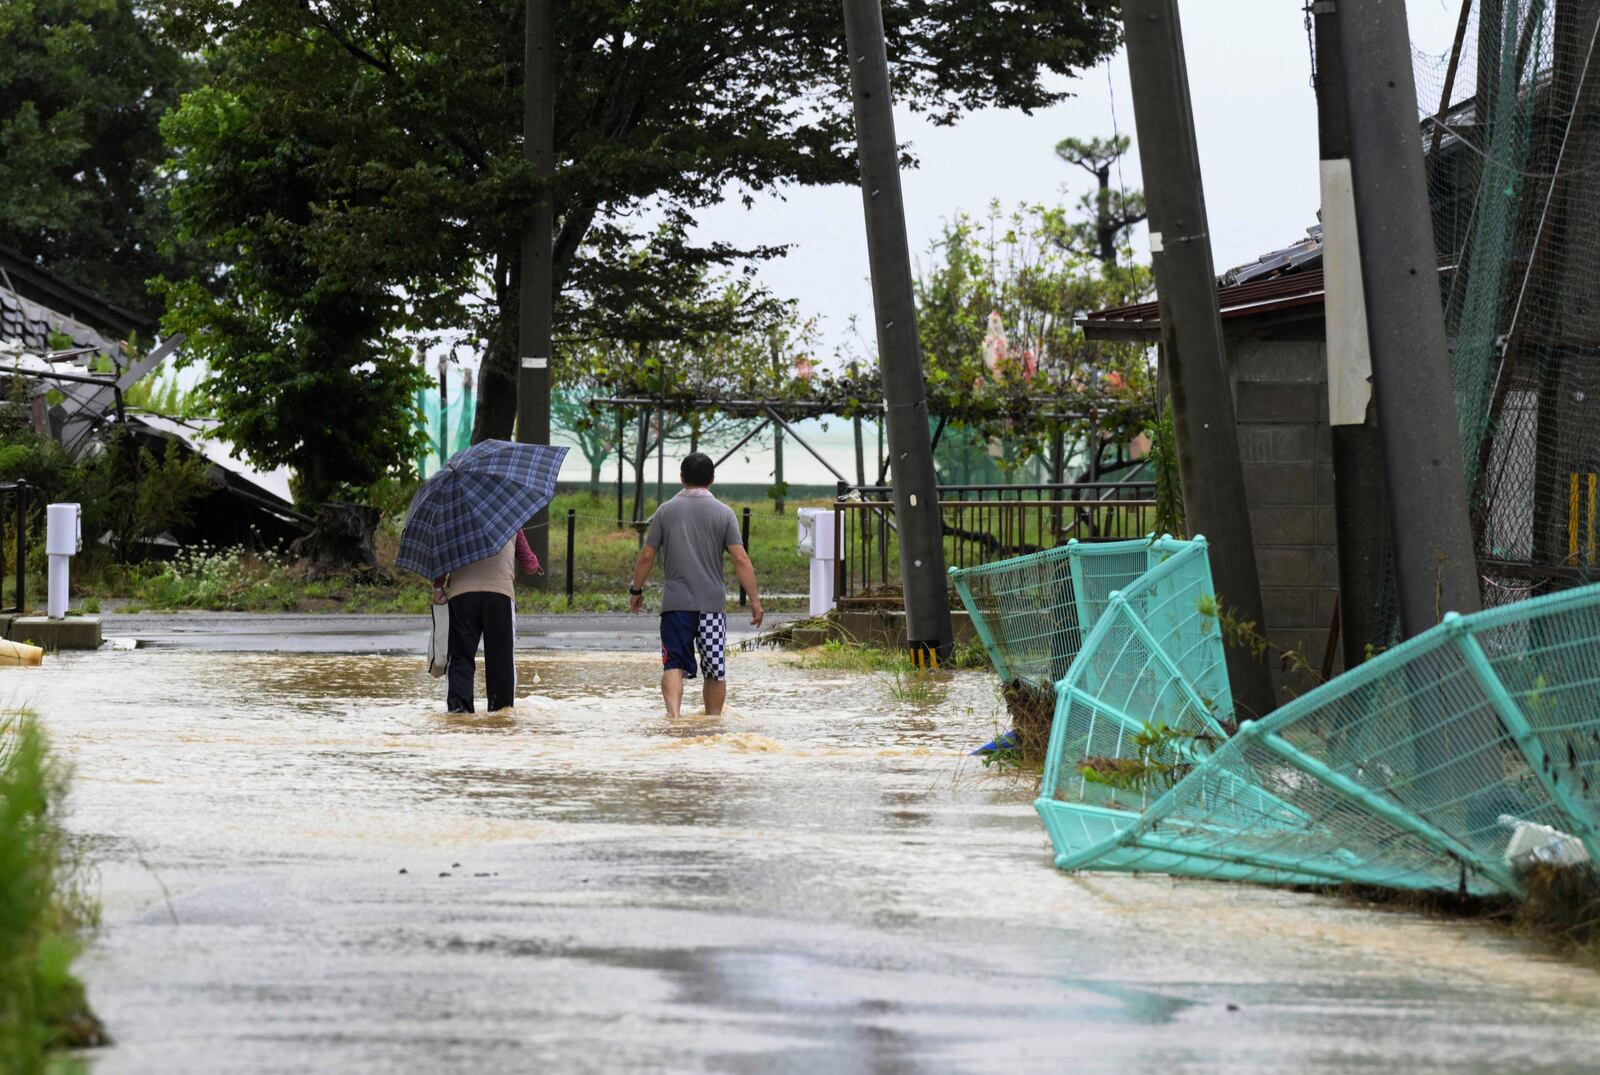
[(1274, 293), (32, 326)]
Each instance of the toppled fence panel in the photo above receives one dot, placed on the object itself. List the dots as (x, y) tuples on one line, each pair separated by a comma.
[(1033, 612), (1450, 763)]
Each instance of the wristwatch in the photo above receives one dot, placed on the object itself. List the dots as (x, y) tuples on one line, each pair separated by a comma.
[(635, 593)]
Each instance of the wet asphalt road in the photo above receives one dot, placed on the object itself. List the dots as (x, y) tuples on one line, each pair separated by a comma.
[(306, 865), (245, 632)]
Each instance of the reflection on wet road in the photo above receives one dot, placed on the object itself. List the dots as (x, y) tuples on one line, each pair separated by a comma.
[(307, 865)]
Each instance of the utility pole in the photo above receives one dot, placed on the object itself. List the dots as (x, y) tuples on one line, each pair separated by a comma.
[(1357, 448), (536, 297), (777, 442), (1436, 569), (916, 496), (861, 451), (1191, 329), (444, 411)]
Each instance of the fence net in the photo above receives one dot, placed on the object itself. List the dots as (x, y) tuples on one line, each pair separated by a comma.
[(1033, 612), (1513, 163), (448, 427), (1453, 762)]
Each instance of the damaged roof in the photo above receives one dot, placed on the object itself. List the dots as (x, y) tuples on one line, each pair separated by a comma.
[(23, 278), (1280, 280)]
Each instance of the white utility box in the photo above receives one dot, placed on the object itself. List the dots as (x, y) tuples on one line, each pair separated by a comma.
[(63, 539), (816, 540)]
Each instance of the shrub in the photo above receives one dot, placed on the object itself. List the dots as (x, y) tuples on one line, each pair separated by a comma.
[(42, 916), (205, 577)]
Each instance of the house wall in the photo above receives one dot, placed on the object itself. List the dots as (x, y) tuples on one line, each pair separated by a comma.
[(1281, 405)]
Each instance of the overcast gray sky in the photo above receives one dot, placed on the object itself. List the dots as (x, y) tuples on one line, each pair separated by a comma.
[(1255, 118)]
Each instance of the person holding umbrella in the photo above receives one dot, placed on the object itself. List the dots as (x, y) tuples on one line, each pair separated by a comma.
[(482, 599), (463, 533)]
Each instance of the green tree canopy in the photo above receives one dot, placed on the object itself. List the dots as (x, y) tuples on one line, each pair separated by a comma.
[(662, 109), (83, 87), (1108, 212)]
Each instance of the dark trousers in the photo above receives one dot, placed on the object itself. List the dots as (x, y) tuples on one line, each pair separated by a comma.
[(486, 616)]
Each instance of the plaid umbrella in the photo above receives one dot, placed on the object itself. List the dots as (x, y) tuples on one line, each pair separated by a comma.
[(477, 503)]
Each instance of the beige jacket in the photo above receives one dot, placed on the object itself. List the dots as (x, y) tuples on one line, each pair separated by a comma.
[(494, 574)]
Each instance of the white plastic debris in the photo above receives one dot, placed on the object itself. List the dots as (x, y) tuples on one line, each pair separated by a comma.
[(1532, 844)]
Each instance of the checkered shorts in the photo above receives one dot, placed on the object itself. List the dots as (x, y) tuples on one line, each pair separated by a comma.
[(684, 634)]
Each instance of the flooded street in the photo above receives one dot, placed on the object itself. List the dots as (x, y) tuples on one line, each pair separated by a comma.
[(305, 864)]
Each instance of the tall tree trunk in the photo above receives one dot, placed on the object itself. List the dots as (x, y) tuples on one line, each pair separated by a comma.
[(497, 377)]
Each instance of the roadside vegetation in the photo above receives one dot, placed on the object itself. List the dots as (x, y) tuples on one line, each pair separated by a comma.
[(269, 580), (901, 679), (44, 914)]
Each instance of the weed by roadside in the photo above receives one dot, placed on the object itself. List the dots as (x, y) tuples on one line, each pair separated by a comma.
[(971, 656), (905, 682), (205, 577), (838, 655), (44, 914)]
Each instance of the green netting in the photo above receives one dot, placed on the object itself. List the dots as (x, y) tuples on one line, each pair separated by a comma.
[(1513, 165), (1128, 633), (448, 429)]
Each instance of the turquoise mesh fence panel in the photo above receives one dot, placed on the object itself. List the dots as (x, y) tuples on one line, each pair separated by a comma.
[(1153, 661), (1032, 612), (1448, 763)]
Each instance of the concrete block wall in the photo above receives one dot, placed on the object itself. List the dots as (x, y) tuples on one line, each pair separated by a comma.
[(1281, 403)]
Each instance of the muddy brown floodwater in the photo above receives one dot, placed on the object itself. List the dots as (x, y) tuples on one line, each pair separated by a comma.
[(306, 865)]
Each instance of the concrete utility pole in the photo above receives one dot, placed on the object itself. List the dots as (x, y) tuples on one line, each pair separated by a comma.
[(1191, 329), (536, 298), (916, 496), (1357, 448), (777, 442), (444, 410), (1436, 570)]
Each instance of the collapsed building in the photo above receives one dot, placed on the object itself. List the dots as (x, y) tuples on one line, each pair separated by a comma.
[(73, 356)]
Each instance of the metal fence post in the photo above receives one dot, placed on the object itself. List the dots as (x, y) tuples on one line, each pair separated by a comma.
[(572, 530), (22, 547), (744, 535)]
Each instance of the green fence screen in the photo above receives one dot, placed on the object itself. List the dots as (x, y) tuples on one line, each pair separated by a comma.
[(448, 428), (1450, 762)]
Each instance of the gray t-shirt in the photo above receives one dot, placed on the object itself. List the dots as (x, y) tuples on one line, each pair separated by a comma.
[(691, 533)]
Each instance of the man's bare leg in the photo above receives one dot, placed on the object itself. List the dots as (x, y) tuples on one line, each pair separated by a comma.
[(716, 692), (672, 690)]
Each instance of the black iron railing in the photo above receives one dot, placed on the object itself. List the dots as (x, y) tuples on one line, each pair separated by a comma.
[(982, 523)]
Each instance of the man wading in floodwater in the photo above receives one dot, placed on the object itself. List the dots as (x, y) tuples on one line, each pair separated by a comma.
[(691, 531)]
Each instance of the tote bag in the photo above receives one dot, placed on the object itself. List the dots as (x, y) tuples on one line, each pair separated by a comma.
[(439, 640)]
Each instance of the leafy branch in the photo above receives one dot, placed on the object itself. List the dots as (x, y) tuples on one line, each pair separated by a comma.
[(1246, 634), (1163, 755)]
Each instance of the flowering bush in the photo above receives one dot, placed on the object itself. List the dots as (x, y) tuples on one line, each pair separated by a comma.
[(206, 576)]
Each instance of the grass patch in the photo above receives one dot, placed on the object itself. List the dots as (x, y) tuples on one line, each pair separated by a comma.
[(44, 914), (971, 656), (838, 655), (905, 682)]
